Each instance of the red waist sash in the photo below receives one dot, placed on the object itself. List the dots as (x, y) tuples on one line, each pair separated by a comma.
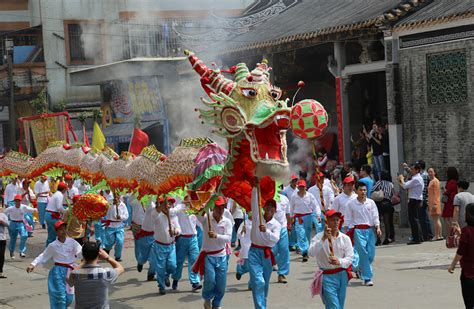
[(300, 216), (64, 265), (339, 269), (200, 264), (267, 251), (143, 233), (362, 226)]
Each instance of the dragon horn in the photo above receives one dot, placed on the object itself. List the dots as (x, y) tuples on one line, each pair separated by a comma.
[(210, 79)]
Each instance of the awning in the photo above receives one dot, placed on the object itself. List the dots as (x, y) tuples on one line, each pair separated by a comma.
[(122, 132)]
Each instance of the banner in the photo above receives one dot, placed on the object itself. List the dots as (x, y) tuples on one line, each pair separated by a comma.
[(44, 130)]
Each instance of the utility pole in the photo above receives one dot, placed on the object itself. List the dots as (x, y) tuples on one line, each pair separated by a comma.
[(11, 105)]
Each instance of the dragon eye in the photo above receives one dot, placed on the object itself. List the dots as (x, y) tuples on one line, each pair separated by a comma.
[(275, 92), (249, 92)]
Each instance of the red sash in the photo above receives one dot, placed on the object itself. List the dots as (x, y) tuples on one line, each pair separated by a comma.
[(185, 236), (200, 264), (300, 216), (64, 265), (164, 244), (362, 226), (54, 214), (339, 269), (142, 233), (107, 222), (268, 252)]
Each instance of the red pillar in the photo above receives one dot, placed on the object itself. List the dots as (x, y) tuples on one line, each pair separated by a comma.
[(340, 143)]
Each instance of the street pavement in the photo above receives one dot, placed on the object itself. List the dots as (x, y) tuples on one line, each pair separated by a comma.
[(405, 277)]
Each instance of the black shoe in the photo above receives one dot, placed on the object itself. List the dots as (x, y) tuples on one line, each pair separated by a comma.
[(386, 242), (238, 276), (232, 244), (107, 251), (43, 226), (196, 286), (175, 284), (305, 258), (292, 249), (167, 282), (118, 259), (162, 292), (139, 268), (22, 255), (150, 278), (413, 242)]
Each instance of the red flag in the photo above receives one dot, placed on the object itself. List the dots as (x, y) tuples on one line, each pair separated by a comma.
[(138, 142), (84, 135)]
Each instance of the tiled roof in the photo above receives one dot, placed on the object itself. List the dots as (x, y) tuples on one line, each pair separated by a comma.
[(437, 12)]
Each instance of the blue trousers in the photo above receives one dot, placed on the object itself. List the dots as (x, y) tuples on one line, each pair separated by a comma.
[(145, 245), (292, 239), (282, 253), (260, 269), (128, 222), (199, 236), (304, 232), (114, 236), (164, 257), (243, 269), (333, 291), (364, 243), (15, 229), (42, 212), (186, 247), (50, 221), (98, 231), (31, 222), (58, 297), (215, 279)]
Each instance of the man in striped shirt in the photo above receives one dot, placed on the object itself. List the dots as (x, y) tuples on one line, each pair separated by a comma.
[(91, 281)]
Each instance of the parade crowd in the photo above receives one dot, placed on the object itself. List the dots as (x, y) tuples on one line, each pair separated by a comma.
[(344, 211)]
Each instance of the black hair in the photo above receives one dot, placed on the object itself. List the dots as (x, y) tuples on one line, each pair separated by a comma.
[(452, 173), (384, 175), (422, 164), (366, 168), (470, 214), (360, 184), (463, 184), (416, 166), (90, 250)]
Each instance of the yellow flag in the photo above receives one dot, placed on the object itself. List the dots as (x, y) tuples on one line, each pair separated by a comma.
[(98, 138)]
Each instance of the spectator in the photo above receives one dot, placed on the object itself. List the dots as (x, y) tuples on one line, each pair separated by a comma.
[(385, 148), (91, 281), (460, 201), (423, 211), (465, 254), (415, 200), (448, 195), (375, 140), (434, 202), (385, 206), (369, 155), (365, 171), (3, 241), (360, 149)]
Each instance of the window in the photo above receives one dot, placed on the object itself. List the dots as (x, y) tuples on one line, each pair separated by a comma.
[(447, 78), (83, 42)]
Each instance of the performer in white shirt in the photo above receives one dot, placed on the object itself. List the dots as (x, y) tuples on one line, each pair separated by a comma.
[(164, 252), (10, 191), (42, 191), (244, 236), (288, 191), (138, 215), (28, 197), (212, 260), (186, 245), (328, 192), (291, 187), (17, 225), (144, 240), (334, 268), (71, 190), (64, 251), (238, 217), (281, 249), (54, 211), (264, 236), (114, 227), (3, 240), (302, 206), (363, 217)]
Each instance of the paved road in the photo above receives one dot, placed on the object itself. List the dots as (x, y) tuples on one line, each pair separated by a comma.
[(405, 277)]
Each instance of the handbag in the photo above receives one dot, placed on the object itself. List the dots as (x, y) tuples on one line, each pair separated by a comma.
[(452, 241), (377, 196), (444, 198), (395, 198)]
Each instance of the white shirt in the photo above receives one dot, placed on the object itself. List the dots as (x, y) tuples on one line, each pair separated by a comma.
[(148, 224), (272, 233), (42, 187), (187, 222), (223, 229), (328, 196), (362, 213), (138, 211), (244, 238), (304, 205), (17, 214), (112, 215), (70, 194), (238, 213), (109, 197), (162, 229), (10, 191), (229, 216), (64, 253), (288, 191), (27, 198), (82, 187), (55, 203), (341, 245), (3, 229), (340, 204), (283, 208), (415, 187)]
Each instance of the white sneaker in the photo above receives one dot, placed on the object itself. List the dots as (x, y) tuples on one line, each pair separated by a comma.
[(207, 304), (368, 283)]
